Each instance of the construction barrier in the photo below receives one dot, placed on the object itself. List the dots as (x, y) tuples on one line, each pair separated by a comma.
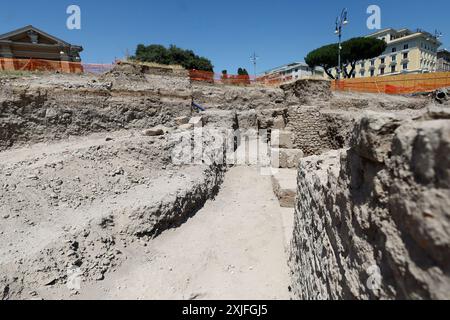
[(211, 77), (9, 64), (238, 80), (40, 65), (400, 84), (36, 65), (97, 68), (274, 80), (33, 65)]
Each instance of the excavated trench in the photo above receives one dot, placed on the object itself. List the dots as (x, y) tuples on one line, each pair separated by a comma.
[(84, 192), (80, 204)]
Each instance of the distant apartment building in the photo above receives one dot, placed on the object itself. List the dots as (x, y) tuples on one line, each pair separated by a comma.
[(292, 72), (407, 52), (443, 60)]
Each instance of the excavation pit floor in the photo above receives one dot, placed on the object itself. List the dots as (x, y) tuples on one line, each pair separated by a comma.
[(56, 213), (233, 248)]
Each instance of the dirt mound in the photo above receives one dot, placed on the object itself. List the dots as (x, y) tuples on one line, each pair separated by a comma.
[(376, 101), (79, 205), (307, 91), (129, 75), (30, 115), (226, 97), (318, 93), (123, 74)]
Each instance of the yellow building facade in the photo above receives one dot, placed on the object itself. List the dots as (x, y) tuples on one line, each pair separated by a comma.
[(407, 52)]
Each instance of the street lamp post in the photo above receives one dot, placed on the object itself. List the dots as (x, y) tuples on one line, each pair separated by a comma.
[(254, 59), (341, 21)]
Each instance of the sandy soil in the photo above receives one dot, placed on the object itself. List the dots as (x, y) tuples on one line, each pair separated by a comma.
[(233, 248), (82, 202)]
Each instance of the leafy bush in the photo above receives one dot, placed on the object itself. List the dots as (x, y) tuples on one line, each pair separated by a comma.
[(172, 56), (242, 72)]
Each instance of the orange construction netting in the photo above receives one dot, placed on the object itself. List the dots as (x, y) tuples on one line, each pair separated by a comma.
[(11, 64), (229, 79), (401, 84), (211, 77), (32, 65)]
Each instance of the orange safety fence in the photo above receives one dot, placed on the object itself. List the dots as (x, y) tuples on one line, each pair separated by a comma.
[(211, 77), (400, 84), (15, 64), (229, 79), (97, 68), (274, 79), (32, 65)]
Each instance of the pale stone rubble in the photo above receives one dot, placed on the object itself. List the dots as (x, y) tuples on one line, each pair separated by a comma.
[(372, 221), (371, 203), (285, 187)]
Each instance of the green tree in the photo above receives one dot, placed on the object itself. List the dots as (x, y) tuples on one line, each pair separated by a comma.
[(353, 50), (153, 53), (171, 56), (201, 63), (243, 76), (242, 72), (224, 74), (358, 49), (325, 57)]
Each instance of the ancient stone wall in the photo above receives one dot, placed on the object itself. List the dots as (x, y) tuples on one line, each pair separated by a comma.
[(318, 130), (308, 92), (237, 98), (372, 221), (310, 129), (128, 97)]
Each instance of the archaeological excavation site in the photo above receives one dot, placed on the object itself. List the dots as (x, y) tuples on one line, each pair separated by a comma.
[(140, 183)]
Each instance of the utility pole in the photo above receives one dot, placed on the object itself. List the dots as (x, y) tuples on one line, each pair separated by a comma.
[(254, 58), (341, 21), (437, 35)]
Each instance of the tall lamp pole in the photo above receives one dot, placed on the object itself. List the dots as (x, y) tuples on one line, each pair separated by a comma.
[(341, 21), (254, 58), (437, 35)]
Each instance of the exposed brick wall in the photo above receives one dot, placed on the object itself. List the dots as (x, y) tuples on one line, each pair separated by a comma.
[(317, 130), (310, 129)]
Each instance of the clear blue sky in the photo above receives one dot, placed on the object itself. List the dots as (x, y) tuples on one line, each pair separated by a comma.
[(227, 32)]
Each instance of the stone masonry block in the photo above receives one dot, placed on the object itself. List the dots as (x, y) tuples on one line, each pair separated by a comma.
[(282, 139), (286, 158)]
